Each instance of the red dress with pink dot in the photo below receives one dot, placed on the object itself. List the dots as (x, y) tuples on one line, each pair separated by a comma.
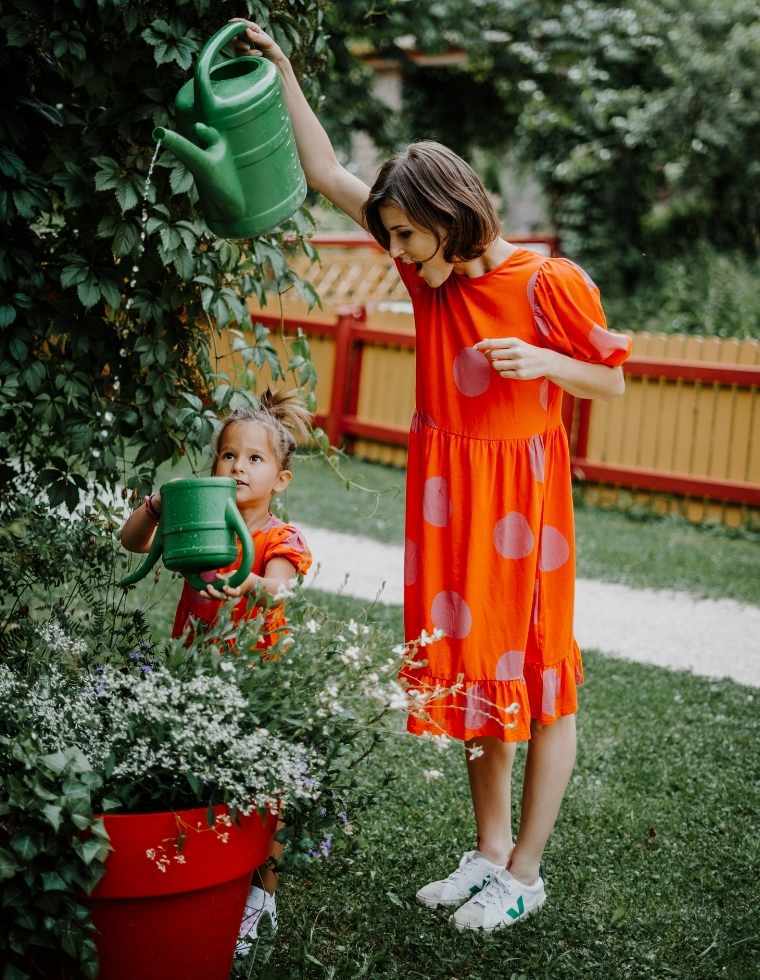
[(490, 552)]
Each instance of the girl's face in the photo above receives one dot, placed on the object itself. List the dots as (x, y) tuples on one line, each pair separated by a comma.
[(246, 455), (415, 246)]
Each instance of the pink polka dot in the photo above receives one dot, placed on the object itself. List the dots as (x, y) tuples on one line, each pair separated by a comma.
[(606, 342), (411, 562), (209, 576), (550, 692), (472, 372), (532, 289), (578, 675), (478, 707), (544, 394), (554, 550), (512, 536), (537, 456), (509, 666), (419, 421), (451, 614), (436, 503)]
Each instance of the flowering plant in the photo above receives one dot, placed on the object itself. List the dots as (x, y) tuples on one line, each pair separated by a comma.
[(96, 717)]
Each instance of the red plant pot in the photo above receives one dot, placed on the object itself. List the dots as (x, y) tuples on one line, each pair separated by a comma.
[(163, 914)]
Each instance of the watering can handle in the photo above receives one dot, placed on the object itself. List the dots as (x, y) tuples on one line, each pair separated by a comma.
[(236, 522), (205, 100), (150, 559)]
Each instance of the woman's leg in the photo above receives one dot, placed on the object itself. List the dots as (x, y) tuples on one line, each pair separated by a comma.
[(490, 785), (551, 756)]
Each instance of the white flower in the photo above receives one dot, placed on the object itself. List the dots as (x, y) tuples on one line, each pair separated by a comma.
[(283, 592), (349, 655), (432, 774), (475, 751), (399, 649), (353, 627), (226, 666), (312, 626)]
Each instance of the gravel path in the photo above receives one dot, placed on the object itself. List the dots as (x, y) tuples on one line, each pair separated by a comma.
[(712, 637)]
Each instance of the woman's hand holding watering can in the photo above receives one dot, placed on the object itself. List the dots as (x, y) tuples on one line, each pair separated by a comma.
[(224, 591), (257, 42)]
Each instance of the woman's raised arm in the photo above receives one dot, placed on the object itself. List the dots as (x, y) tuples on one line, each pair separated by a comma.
[(323, 172)]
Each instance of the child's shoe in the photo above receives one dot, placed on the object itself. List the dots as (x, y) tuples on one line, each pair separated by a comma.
[(473, 874), (503, 902), (260, 906)]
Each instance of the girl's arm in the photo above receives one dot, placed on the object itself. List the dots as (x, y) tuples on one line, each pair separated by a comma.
[(513, 358), (323, 172), (278, 574), (138, 532)]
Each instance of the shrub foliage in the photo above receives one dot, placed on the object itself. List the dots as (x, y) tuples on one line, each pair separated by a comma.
[(107, 352)]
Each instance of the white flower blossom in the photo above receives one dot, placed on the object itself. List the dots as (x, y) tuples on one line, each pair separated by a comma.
[(474, 751), (432, 774), (312, 626)]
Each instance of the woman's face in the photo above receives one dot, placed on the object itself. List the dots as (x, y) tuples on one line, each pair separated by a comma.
[(415, 246)]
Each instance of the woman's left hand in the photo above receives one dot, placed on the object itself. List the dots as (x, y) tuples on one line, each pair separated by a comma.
[(513, 358)]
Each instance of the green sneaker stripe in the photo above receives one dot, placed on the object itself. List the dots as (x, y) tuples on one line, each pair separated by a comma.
[(479, 888), (515, 914)]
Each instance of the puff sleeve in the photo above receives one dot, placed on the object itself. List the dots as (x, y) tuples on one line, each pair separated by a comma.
[(288, 542), (568, 314)]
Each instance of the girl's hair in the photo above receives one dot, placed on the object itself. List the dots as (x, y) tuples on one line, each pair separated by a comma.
[(439, 192), (283, 415)]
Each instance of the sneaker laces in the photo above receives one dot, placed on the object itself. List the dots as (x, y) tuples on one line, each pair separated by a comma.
[(467, 859), (494, 893)]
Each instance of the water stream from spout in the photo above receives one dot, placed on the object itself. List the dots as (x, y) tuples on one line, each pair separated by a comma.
[(144, 229)]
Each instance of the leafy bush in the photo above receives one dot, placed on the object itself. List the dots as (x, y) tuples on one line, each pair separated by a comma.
[(95, 716), (107, 352)]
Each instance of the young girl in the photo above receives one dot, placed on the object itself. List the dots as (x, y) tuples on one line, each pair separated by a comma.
[(255, 448), (501, 331)]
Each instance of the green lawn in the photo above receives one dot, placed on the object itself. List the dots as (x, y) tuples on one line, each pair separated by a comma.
[(653, 870)]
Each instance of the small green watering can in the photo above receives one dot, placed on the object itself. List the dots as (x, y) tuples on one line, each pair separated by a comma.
[(196, 532), (237, 141)]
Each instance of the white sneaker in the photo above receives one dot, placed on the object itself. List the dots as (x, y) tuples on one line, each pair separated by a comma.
[(259, 906), (503, 901), (473, 874)]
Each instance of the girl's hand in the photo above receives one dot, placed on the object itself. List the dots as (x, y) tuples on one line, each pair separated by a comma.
[(155, 502), (255, 41), (513, 358), (222, 592)]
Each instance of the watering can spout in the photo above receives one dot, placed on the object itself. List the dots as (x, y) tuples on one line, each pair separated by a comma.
[(213, 168)]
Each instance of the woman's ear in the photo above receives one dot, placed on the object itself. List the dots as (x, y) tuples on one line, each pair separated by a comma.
[(283, 479)]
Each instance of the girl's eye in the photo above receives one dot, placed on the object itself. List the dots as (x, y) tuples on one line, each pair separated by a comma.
[(228, 455), (254, 458), (404, 234)]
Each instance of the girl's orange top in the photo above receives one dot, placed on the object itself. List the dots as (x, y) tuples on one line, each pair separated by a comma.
[(489, 555), (274, 540)]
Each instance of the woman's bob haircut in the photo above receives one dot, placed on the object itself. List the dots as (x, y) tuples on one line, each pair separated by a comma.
[(439, 192)]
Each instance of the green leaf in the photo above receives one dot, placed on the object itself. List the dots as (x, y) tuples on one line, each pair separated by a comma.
[(53, 815), (52, 882), (7, 314), (210, 816), (8, 864), (88, 292)]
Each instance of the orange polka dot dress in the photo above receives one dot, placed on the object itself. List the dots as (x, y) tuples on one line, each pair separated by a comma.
[(490, 552)]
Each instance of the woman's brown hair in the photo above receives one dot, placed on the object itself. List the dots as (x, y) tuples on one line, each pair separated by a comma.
[(283, 415), (438, 191)]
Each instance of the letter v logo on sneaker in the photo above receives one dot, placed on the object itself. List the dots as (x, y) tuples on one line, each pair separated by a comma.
[(476, 888), (516, 913)]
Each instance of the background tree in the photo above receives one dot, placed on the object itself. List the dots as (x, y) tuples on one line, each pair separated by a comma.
[(639, 119), (107, 350)]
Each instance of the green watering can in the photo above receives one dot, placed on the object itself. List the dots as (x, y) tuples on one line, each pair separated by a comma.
[(196, 532), (237, 141)]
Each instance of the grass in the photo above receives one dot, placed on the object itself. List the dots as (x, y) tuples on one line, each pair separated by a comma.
[(653, 869)]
